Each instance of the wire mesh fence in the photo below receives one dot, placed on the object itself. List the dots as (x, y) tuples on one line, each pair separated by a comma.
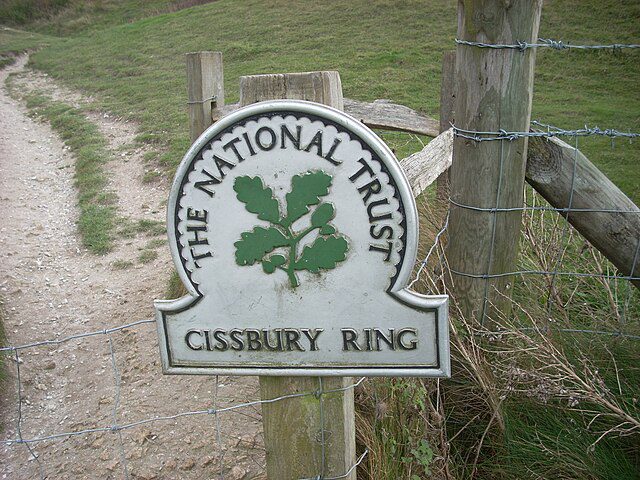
[(544, 262), (119, 424)]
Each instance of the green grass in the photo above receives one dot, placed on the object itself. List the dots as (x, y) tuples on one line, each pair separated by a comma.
[(122, 265), (382, 50), (385, 49), (89, 147), (19, 12), (13, 42), (147, 256), (129, 229)]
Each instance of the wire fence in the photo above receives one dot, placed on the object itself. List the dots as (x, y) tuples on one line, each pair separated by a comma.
[(118, 425), (569, 211), (539, 130)]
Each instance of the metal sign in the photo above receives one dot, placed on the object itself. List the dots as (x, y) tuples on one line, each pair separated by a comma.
[(295, 232)]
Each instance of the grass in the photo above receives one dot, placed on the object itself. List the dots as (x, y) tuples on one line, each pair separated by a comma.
[(486, 422), (535, 404), (122, 265), (382, 50), (89, 147), (147, 256), (14, 42), (129, 229)]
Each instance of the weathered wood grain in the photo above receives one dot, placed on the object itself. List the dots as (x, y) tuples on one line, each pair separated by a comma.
[(292, 428), (379, 114), (447, 107), (550, 166), (319, 87), (550, 172), (387, 115), (424, 167), (494, 90), (205, 87)]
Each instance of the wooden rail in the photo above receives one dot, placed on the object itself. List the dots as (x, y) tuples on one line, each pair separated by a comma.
[(382, 114), (550, 171)]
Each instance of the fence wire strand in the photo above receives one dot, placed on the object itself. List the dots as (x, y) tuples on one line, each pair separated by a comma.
[(117, 379), (545, 43), (555, 272), (117, 428), (540, 130)]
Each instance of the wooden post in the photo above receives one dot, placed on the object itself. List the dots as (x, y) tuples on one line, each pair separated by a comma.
[(447, 105), (494, 90), (550, 170), (293, 428), (319, 87), (205, 88)]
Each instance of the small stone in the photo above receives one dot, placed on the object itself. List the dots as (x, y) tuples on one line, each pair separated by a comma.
[(50, 365), (170, 464), (98, 443), (188, 464), (146, 475), (237, 473)]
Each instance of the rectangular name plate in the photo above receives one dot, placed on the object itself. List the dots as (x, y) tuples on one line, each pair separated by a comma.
[(295, 233)]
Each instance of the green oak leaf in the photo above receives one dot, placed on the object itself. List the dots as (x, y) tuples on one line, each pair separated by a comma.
[(254, 245), (277, 260), (324, 253), (322, 215), (327, 230), (268, 267), (305, 191), (257, 198)]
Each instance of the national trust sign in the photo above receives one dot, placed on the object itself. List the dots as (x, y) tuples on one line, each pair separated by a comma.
[(295, 232)]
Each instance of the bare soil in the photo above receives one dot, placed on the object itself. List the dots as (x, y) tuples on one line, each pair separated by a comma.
[(52, 287)]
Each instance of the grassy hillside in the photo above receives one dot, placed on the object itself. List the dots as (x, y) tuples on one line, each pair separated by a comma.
[(382, 49), (393, 49)]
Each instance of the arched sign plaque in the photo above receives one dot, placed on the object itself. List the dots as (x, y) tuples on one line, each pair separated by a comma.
[(295, 232)]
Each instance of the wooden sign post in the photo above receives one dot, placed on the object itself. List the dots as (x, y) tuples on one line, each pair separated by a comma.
[(293, 430), (294, 231)]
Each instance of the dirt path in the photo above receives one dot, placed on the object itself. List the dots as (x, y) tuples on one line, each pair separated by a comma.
[(52, 288)]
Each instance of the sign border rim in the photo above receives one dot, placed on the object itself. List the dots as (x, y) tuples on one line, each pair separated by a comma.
[(399, 289)]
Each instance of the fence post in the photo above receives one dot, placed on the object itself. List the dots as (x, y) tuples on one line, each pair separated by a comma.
[(447, 105), (494, 90), (295, 429), (205, 87)]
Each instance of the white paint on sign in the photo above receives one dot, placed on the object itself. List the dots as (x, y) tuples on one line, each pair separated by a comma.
[(295, 231)]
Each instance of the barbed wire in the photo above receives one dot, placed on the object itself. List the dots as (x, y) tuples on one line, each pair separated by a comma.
[(543, 130), (545, 43), (551, 131)]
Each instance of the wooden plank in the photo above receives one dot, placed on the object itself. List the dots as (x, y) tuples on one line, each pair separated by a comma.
[(617, 235), (205, 87), (447, 106), (424, 167), (390, 116), (319, 87), (549, 171), (293, 428), (494, 90), (379, 114)]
